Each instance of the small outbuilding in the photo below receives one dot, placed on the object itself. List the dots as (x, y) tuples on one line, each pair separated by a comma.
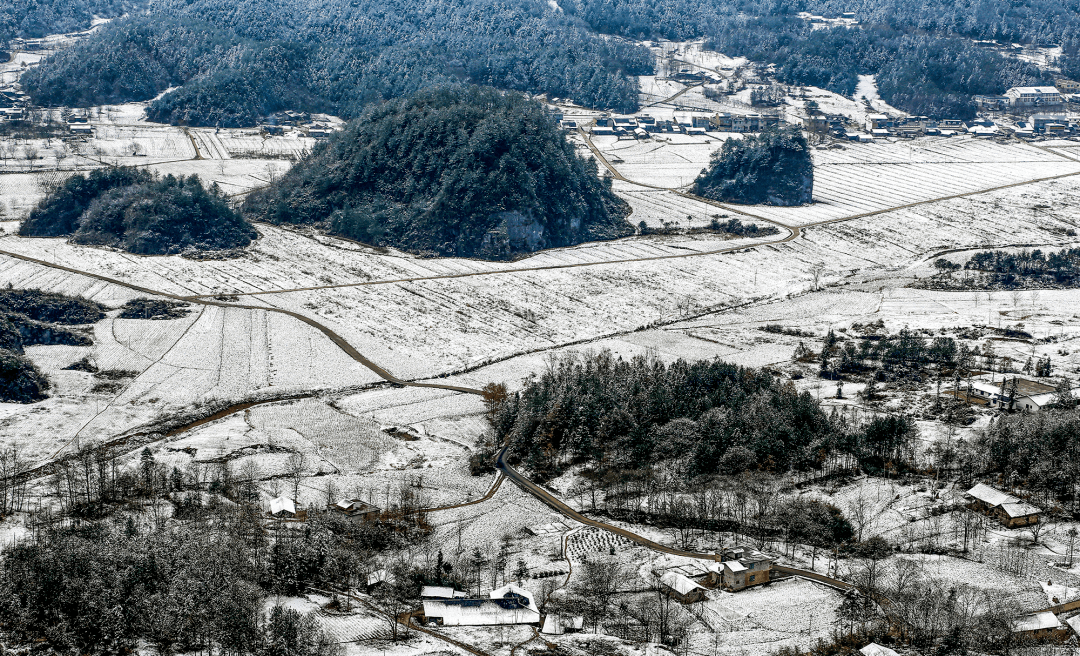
[(355, 508), (681, 589), (283, 508), (559, 623), (874, 649)]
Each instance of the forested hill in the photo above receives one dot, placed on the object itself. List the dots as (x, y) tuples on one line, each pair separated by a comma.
[(38, 18), (468, 172), (923, 54), (237, 59)]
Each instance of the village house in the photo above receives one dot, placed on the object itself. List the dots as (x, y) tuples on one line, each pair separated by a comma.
[(356, 509), (681, 589), (740, 568), (1067, 86), (1030, 395), (1011, 511), (1074, 624), (1043, 626), (878, 122), (1022, 97), (991, 103), (283, 508), (560, 623), (509, 604)]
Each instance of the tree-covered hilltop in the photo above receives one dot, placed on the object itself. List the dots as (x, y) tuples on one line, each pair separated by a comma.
[(692, 418), (139, 212), (468, 172), (234, 61), (772, 167)]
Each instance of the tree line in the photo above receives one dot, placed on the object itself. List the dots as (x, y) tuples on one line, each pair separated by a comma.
[(1007, 270)]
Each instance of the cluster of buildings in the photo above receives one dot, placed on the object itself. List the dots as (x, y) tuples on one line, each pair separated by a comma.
[(643, 126), (316, 126), (12, 104), (286, 508)]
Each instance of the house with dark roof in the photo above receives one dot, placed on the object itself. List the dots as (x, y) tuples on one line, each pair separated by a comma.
[(510, 604)]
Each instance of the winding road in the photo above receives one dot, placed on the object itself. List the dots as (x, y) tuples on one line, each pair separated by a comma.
[(505, 469)]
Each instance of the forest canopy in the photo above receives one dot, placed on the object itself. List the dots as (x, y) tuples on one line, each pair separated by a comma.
[(701, 418), (235, 61), (139, 212), (451, 171), (772, 167), (923, 56)]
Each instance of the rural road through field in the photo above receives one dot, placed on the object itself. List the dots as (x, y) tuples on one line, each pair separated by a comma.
[(507, 470)]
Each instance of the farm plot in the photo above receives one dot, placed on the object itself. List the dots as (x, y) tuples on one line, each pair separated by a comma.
[(138, 144), (256, 145), (667, 161), (660, 208), (19, 193), (792, 613), (1028, 594), (844, 189), (357, 627)]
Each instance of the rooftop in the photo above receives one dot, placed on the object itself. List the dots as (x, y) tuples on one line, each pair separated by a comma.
[(1037, 622), (991, 496)]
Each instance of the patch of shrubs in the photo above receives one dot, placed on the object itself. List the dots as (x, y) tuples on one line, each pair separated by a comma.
[(20, 380), (52, 307), (154, 309)]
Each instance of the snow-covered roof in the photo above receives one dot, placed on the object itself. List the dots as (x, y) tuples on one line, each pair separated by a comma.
[(1037, 622), (1040, 399), (439, 592), (1074, 623), (990, 496), (874, 649), (506, 590), (282, 504), (735, 566), (1019, 509), (679, 583), (1034, 90)]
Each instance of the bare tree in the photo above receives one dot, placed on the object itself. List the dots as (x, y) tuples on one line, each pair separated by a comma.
[(294, 470)]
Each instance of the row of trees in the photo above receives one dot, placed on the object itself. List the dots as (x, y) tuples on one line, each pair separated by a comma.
[(1006, 270)]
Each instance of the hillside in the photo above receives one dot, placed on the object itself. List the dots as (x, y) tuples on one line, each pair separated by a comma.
[(230, 62), (140, 213), (470, 172), (773, 168)]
